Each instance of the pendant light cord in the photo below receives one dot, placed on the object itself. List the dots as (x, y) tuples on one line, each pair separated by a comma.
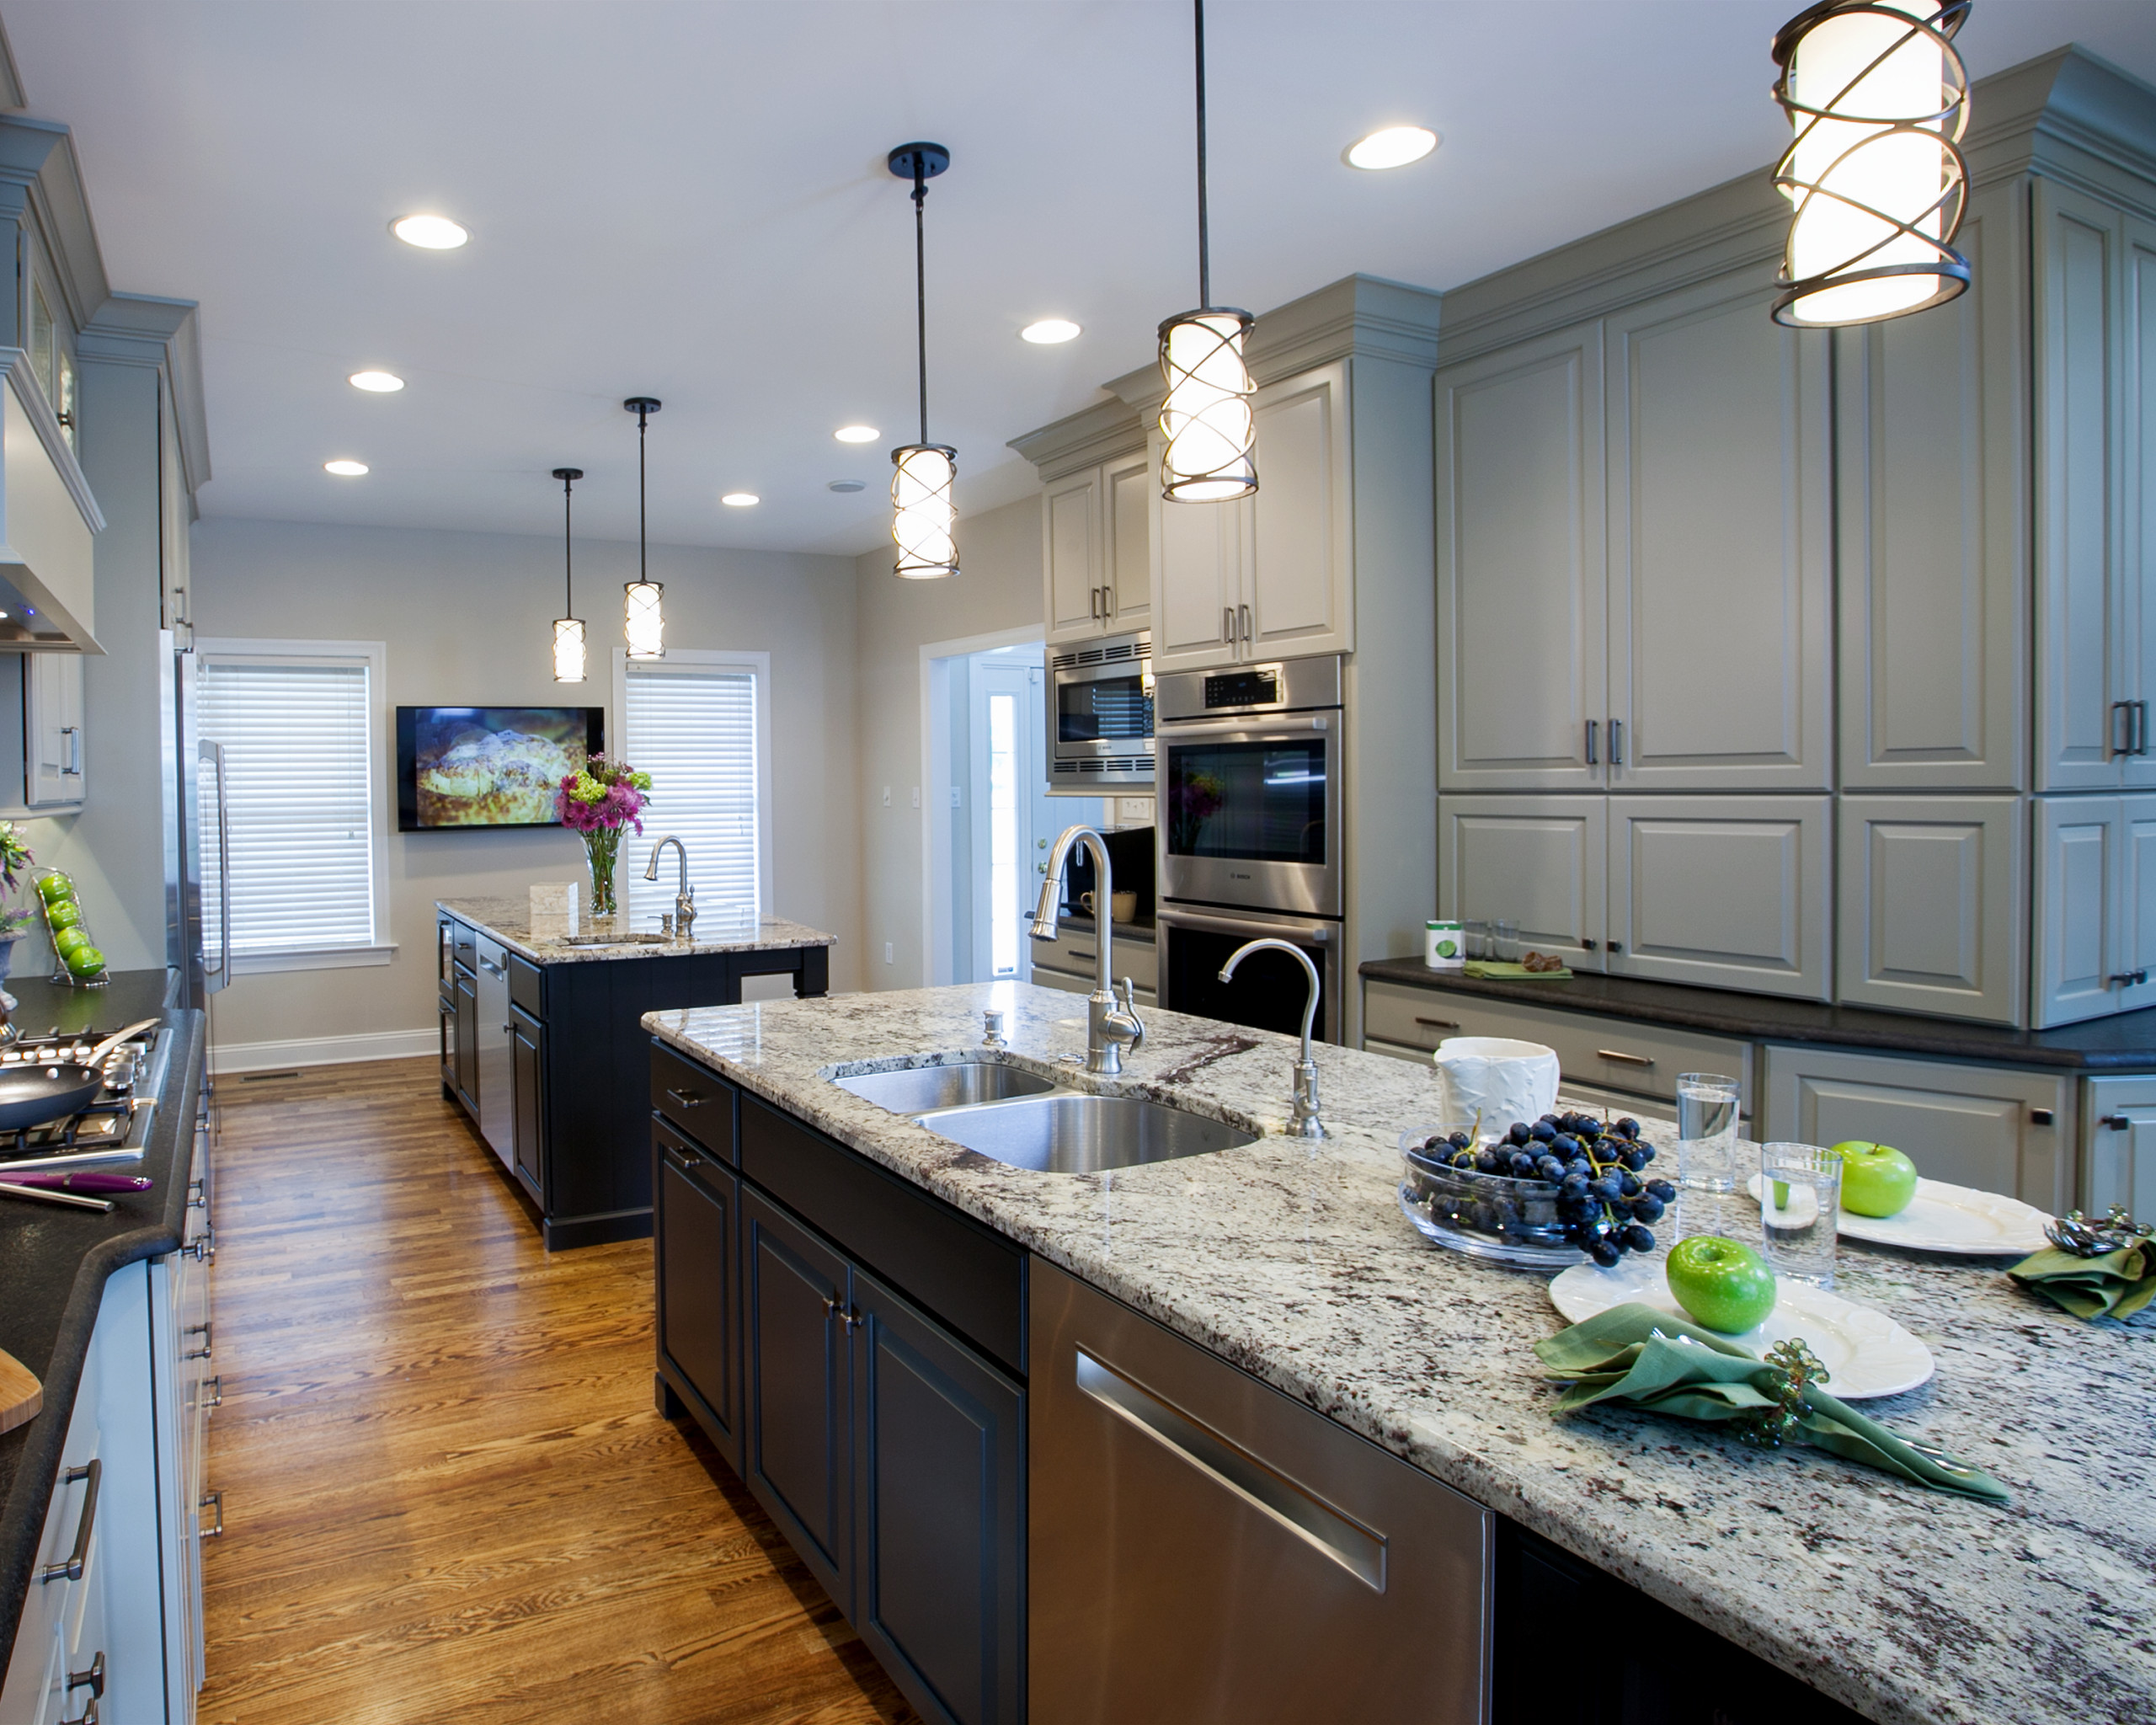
[(1204, 249), (920, 281), (643, 572), (568, 577)]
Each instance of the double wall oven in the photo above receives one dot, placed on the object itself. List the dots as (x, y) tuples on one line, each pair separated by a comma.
[(1250, 838)]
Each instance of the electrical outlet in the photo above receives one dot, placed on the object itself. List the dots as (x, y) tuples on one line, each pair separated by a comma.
[(887, 796), (887, 951), (916, 796)]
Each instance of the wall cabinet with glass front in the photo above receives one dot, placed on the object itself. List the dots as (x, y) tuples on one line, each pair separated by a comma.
[(1095, 550)]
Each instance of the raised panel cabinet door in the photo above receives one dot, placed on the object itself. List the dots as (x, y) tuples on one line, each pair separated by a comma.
[(1931, 492), (1198, 550), (1302, 557), (2076, 844), (1522, 573), (2118, 1138), (1990, 1127), (1540, 862), (2138, 629), (939, 1513), (2135, 899), (527, 1093), (468, 1039), (58, 770), (797, 1425), (697, 1206), (1720, 595), (1933, 901), (1730, 892), (2080, 592), (1070, 554), (1127, 495)]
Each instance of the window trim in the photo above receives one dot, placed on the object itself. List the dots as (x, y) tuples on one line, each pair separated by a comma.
[(700, 659), (375, 653)]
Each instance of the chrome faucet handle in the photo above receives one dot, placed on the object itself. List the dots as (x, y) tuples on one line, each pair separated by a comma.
[(992, 1029), (1307, 1124), (1127, 1004)]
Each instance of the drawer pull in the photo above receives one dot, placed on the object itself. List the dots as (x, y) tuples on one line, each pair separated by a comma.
[(2116, 1122), (1622, 1058), (2123, 979), (92, 1679), (2040, 1117), (213, 1500), (88, 1716), (213, 1391), (687, 1098), (203, 1351), (1440, 1023), (203, 1247), (71, 1570)]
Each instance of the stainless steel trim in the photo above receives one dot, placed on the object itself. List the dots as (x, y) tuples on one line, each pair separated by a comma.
[(1303, 684), (215, 976), (1355, 1548), (92, 1471)]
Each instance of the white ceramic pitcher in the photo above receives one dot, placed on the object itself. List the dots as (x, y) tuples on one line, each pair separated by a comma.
[(1504, 1079)]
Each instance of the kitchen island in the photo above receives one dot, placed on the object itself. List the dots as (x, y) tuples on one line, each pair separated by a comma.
[(1291, 1262), (540, 1043)]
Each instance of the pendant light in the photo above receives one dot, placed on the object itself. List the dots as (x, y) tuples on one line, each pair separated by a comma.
[(643, 621), (1878, 99), (569, 629), (923, 514), (1206, 419)]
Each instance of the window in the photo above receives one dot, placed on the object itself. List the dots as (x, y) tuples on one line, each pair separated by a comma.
[(296, 721), (699, 724)]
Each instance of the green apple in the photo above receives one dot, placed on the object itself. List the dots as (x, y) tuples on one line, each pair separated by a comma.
[(53, 888), (63, 913), (1877, 1180), (67, 940), (1723, 1286), (86, 962)]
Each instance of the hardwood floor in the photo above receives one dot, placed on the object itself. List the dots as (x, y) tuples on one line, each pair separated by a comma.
[(447, 1495)]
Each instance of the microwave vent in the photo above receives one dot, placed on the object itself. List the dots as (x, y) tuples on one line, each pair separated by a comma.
[(1113, 654), (1103, 765)]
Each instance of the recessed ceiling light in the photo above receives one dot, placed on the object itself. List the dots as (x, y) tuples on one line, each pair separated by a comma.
[(1393, 147), (345, 469), (856, 434), (377, 382), (740, 499), (1049, 331), (431, 233), (844, 485)]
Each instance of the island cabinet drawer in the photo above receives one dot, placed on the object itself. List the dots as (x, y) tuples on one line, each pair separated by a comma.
[(1079, 955), (699, 1103), (463, 943), (526, 986), (968, 1276)]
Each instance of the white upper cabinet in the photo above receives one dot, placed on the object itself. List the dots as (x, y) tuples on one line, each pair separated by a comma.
[(1521, 575), (1070, 551), (1126, 539), (53, 709), (2137, 625), (1197, 575)]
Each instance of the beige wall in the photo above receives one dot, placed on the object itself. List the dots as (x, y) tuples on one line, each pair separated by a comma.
[(466, 617)]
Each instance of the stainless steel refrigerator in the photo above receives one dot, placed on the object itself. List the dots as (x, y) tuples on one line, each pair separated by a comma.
[(197, 833)]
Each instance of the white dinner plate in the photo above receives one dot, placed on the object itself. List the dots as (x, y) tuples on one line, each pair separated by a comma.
[(1955, 1218), (1866, 1353)]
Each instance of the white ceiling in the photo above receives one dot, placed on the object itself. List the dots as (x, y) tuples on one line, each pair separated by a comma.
[(688, 198)]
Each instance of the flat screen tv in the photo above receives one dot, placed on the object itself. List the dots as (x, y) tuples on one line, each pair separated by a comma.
[(464, 767)]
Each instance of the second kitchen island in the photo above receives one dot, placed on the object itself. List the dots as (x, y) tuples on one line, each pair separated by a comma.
[(542, 1044)]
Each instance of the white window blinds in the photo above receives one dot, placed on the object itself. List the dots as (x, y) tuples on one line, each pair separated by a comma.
[(298, 792), (694, 731)]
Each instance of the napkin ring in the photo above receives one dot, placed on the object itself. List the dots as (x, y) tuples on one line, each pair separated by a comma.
[(1796, 1367), (2075, 1233)]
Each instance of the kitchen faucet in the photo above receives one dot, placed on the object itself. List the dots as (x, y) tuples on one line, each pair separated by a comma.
[(1111, 1021), (685, 895), (1307, 1124)]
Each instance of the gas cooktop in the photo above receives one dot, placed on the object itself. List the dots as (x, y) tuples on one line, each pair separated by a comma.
[(113, 1128)]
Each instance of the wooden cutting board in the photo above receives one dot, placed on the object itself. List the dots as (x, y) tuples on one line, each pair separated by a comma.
[(21, 1394)]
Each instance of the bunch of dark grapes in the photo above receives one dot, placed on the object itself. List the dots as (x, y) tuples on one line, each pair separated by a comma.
[(1596, 1166)]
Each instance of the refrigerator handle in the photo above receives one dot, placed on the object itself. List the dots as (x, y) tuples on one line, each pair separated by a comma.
[(214, 753)]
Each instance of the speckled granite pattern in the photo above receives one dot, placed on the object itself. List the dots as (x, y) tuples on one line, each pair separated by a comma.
[(1293, 1262), (510, 921)]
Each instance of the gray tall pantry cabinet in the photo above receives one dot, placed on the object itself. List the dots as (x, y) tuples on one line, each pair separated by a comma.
[(1813, 664)]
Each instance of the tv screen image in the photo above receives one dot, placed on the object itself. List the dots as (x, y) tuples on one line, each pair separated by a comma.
[(461, 766)]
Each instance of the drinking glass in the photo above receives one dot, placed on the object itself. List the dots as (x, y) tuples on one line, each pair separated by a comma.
[(1706, 1131), (1475, 939), (1799, 1205), (1504, 942)]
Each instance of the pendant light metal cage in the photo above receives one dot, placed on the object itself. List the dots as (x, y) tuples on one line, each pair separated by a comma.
[(570, 658), (644, 610), (1878, 100), (924, 516), (1208, 431)]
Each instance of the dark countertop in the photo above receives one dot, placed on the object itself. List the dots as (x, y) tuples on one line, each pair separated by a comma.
[(2125, 1043), (54, 1262), (542, 940)]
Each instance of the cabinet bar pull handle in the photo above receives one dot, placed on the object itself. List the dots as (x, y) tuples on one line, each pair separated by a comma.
[(88, 1716), (1591, 761), (1228, 624), (2121, 711), (1616, 742), (1587, 944), (853, 1318), (93, 1678), (1094, 594), (1440, 1023), (688, 1098), (203, 1351), (2140, 727), (216, 1387), (1246, 615), (213, 1500), (2116, 1122), (71, 1570), (1622, 1058), (2122, 979)]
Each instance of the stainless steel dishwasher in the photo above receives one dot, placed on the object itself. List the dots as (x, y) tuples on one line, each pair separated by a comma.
[(496, 1106), (1204, 1550)]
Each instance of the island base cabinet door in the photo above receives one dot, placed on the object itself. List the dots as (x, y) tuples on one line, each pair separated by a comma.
[(527, 1051), (939, 1514), (2118, 1145), (1204, 1550), (698, 1205), (468, 1039), (1996, 1129), (796, 1428)]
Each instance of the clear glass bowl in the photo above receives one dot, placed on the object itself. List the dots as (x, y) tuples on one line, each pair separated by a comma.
[(1494, 1217)]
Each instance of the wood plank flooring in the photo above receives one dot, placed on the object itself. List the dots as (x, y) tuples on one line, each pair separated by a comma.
[(447, 1495)]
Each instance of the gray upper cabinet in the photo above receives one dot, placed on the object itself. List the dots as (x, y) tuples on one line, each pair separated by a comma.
[(1197, 576), (1522, 570), (1541, 862), (1720, 460), (1931, 486), (2095, 907)]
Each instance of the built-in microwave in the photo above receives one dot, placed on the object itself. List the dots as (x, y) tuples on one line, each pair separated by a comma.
[(1100, 716)]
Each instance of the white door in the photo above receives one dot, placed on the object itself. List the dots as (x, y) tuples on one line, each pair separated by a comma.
[(1010, 812)]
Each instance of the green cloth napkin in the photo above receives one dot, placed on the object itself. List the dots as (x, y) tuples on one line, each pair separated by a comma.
[(1496, 969), (2117, 1284), (1663, 1365)]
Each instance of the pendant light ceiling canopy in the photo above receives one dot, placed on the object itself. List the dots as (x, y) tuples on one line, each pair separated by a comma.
[(924, 516), (1206, 423), (568, 628), (1878, 100), (644, 617)]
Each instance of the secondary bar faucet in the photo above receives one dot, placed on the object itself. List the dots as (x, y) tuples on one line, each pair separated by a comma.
[(1112, 1023), (685, 895), (1307, 1124)]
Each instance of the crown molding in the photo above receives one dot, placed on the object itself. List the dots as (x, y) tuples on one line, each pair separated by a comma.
[(144, 329), (38, 163), (11, 79), (1102, 432)]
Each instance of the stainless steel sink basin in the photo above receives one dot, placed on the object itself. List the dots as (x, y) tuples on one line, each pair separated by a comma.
[(917, 1090), (1068, 1133), (615, 940)]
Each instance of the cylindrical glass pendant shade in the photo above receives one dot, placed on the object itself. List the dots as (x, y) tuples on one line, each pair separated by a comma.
[(568, 649), (1878, 101), (643, 620), (923, 516), (1206, 418)]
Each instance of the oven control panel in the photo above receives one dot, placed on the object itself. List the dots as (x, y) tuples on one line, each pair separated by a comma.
[(1254, 687)]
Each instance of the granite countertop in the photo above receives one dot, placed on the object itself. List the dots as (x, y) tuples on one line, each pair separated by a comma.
[(511, 921), (2125, 1042), (54, 1262), (1292, 1261)]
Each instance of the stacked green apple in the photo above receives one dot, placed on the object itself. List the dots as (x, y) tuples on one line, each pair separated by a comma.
[(71, 936)]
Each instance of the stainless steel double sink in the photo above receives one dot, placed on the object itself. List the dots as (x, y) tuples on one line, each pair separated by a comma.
[(1028, 1121)]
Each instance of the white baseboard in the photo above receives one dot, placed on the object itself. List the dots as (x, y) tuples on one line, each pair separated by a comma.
[(324, 1050)]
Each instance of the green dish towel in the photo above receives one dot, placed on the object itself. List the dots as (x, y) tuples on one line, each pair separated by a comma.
[(2117, 1284), (1662, 1365), (1496, 969)]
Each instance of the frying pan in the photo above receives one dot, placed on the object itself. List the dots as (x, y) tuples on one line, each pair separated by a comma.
[(30, 1094)]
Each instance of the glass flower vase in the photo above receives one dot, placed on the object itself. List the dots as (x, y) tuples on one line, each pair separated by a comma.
[(602, 847)]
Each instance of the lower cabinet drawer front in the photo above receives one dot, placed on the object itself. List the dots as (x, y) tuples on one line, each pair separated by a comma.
[(1062, 981), (699, 1103), (526, 986), (1076, 955)]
